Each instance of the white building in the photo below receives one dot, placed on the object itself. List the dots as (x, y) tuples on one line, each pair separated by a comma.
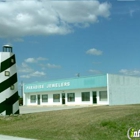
[(105, 89)]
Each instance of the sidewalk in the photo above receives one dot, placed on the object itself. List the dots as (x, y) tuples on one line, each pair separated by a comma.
[(35, 109), (4, 137)]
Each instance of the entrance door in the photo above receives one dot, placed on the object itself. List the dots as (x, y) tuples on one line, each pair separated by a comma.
[(38, 99), (94, 95), (63, 98)]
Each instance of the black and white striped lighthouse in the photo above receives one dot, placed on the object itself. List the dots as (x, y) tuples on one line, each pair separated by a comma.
[(9, 103)]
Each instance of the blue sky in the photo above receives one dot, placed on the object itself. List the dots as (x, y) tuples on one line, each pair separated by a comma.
[(58, 39)]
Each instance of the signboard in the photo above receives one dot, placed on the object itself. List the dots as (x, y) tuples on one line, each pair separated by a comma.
[(75, 83)]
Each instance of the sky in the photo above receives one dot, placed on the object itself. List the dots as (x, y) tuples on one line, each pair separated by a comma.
[(63, 39)]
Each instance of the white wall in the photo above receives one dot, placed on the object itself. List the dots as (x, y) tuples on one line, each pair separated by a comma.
[(7, 93), (78, 100), (123, 89)]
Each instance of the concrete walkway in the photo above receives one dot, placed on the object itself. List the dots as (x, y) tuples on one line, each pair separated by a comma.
[(4, 137), (34, 109)]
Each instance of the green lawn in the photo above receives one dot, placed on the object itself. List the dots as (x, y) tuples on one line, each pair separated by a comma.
[(92, 123)]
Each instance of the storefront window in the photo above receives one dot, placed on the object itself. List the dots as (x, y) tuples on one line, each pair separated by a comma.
[(56, 97), (71, 97), (103, 95), (85, 96), (33, 98), (45, 98)]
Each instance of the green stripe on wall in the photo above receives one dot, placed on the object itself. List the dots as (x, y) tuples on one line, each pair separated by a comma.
[(7, 63), (8, 83)]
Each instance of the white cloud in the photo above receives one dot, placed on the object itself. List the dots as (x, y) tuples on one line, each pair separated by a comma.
[(41, 58), (24, 68), (130, 72), (94, 51), (53, 66), (25, 76), (34, 60), (132, 11), (33, 74), (18, 40), (94, 71), (30, 60), (48, 17), (37, 74)]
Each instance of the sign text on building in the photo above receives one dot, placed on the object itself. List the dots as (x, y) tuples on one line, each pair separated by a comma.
[(54, 85)]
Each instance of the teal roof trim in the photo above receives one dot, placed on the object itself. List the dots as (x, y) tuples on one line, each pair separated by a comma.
[(67, 84)]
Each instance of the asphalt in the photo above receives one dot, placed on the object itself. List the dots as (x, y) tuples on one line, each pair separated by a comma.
[(35, 109)]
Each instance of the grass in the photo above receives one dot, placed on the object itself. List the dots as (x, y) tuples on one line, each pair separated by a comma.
[(92, 123)]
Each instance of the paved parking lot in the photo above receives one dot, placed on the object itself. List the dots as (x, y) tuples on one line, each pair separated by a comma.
[(33, 109)]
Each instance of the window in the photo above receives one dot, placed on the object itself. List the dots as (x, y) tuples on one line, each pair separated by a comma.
[(12, 87), (71, 97), (85, 96), (44, 98), (56, 97), (103, 95), (33, 98), (12, 60), (7, 73)]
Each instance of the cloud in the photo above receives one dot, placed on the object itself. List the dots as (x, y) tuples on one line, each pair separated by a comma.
[(95, 71), (53, 66), (37, 74), (41, 59), (129, 72), (47, 17), (34, 60), (18, 40), (25, 76), (34, 74), (94, 51), (27, 71), (48, 65), (24, 68), (132, 11), (30, 60)]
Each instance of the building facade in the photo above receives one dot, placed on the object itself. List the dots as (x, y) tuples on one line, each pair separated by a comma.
[(105, 89), (8, 82)]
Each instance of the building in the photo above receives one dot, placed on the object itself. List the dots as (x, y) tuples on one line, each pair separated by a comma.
[(8, 82), (105, 89)]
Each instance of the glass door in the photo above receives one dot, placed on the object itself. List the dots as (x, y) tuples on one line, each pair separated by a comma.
[(94, 95), (63, 98), (38, 99)]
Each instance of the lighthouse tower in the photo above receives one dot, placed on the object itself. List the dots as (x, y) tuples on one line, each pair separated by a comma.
[(9, 103)]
